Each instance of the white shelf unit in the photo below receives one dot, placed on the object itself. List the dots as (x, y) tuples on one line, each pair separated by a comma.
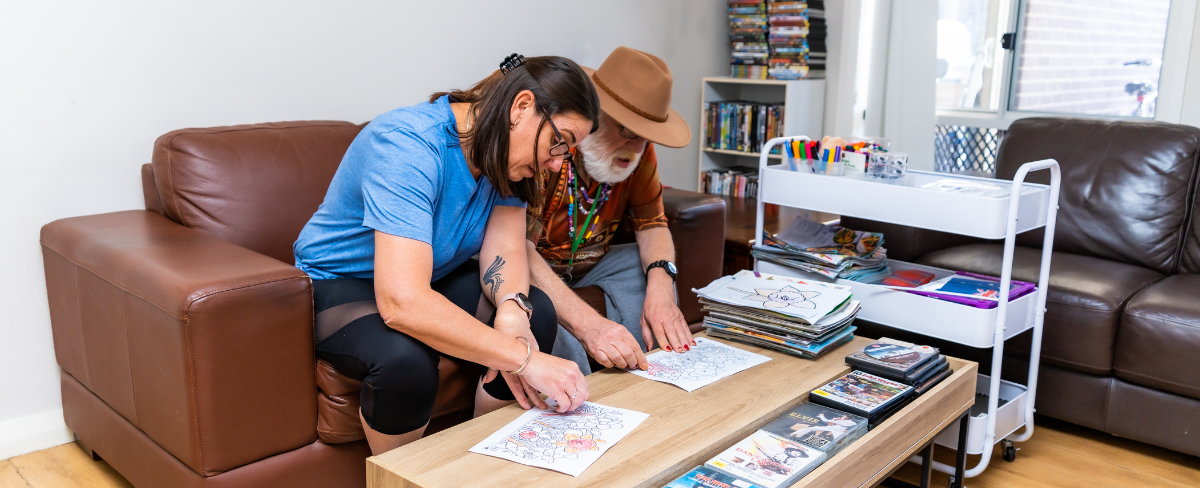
[(804, 112), (902, 201)]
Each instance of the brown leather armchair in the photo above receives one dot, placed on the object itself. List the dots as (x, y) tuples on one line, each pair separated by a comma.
[(185, 334), (1122, 326)]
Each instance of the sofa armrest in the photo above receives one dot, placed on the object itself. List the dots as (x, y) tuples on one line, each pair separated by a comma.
[(205, 346), (697, 224)]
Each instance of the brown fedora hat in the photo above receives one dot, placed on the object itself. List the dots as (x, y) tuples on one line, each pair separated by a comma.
[(635, 90)]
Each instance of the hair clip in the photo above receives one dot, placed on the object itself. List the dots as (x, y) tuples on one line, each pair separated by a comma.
[(512, 62)]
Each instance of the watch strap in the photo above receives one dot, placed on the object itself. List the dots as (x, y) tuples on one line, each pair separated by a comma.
[(515, 296), (666, 266)]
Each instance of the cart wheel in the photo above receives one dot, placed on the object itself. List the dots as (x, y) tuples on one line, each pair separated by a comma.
[(1010, 451)]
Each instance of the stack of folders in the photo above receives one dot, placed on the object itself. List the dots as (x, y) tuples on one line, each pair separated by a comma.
[(865, 395), (789, 315), (830, 251), (921, 367), (780, 453)]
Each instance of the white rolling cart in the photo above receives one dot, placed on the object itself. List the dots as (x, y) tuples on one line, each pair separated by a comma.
[(903, 201)]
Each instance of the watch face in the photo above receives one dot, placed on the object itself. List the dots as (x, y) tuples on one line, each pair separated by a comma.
[(671, 268), (525, 301)]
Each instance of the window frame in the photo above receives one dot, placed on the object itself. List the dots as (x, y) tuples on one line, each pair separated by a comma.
[(1181, 21)]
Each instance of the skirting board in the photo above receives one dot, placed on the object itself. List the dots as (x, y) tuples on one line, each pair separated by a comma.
[(33, 433)]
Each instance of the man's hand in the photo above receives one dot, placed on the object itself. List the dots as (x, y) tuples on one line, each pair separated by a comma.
[(513, 321), (661, 318), (612, 345)]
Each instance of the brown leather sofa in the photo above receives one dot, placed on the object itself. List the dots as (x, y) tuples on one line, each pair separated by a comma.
[(185, 334), (1121, 343)]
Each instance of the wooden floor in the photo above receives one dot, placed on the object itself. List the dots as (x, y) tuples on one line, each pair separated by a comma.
[(1059, 455)]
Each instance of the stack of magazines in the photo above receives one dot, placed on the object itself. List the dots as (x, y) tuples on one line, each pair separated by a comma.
[(780, 453), (829, 251), (793, 316), (921, 367)]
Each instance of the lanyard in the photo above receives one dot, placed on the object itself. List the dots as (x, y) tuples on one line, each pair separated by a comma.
[(577, 232)]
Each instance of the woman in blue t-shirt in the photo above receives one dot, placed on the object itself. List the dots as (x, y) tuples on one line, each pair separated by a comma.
[(420, 191)]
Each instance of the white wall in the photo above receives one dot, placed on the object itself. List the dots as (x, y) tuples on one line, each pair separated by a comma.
[(909, 90), (86, 87)]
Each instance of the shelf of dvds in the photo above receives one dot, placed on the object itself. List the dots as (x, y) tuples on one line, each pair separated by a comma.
[(1027, 206), (799, 104)]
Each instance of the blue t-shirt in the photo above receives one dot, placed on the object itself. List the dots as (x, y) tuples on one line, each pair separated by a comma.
[(403, 175)]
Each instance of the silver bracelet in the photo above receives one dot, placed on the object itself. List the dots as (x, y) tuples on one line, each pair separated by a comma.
[(528, 355)]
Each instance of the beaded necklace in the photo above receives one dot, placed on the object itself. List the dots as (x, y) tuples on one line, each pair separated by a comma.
[(585, 231)]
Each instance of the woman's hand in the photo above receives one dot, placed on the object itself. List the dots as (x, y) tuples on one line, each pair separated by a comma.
[(558, 378)]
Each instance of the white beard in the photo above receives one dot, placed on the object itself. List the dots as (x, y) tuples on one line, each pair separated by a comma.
[(602, 168)]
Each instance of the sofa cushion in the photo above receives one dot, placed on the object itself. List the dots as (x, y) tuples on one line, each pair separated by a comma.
[(252, 185), (1086, 298), (1158, 344), (1125, 185)]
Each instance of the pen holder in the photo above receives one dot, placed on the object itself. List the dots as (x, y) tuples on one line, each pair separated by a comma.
[(834, 168)]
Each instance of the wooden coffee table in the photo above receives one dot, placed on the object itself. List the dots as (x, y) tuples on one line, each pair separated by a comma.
[(685, 429)]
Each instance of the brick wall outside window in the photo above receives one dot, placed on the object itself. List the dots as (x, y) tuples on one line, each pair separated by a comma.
[(1073, 52)]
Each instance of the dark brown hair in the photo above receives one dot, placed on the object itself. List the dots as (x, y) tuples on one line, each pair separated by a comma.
[(558, 85)]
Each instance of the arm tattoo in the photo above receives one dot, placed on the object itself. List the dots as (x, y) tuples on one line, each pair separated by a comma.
[(492, 277)]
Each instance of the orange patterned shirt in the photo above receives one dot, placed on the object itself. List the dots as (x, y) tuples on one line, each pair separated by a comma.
[(637, 200)]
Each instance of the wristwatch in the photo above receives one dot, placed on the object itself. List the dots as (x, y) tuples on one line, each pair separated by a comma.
[(667, 266), (522, 301)]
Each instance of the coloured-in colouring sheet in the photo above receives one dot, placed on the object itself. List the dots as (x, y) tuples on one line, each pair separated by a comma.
[(564, 442), (796, 298), (703, 365)]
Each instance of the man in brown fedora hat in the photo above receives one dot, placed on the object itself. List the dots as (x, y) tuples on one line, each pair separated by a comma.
[(612, 179)]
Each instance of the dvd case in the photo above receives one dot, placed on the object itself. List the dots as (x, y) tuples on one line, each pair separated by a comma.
[(707, 477), (818, 426), (891, 358), (860, 393), (768, 460)]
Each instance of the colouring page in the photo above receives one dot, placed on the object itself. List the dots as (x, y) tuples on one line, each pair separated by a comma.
[(704, 364), (564, 442), (796, 298)]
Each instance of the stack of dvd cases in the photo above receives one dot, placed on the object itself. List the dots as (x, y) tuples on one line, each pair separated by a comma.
[(921, 367), (782, 452), (817, 30), (865, 395), (748, 39), (788, 38)]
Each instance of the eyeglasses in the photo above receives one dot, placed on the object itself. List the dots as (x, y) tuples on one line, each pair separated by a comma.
[(626, 133), (561, 148)]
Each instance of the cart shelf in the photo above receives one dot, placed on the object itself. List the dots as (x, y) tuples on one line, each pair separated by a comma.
[(903, 201), (928, 316)]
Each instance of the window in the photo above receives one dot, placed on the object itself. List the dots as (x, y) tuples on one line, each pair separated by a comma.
[(970, 61), (1092, 58), (1002, 60)]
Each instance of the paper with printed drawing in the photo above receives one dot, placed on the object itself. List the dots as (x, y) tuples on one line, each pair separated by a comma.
[(565, 442), (706, 362), (807, 300)]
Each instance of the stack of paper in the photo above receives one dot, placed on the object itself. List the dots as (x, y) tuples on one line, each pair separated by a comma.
[(830, 251), (793, 316)]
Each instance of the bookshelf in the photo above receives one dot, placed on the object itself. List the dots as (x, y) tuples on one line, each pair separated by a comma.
[(804, 113)]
